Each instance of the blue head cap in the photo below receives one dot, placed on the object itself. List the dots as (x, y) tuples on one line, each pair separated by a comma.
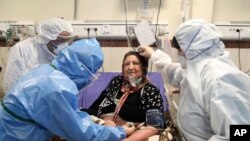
[(80, 61)]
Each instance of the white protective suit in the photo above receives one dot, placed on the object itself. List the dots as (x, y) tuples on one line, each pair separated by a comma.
[(214, 93), (33, 52)]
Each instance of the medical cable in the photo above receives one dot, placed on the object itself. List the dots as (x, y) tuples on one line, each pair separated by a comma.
[(88, 30), (156, 25), (126, 20), (239, 51), (237, 30), (95, 29), (159, 9)]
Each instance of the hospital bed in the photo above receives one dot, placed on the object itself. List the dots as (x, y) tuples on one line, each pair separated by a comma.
[(88, 95)]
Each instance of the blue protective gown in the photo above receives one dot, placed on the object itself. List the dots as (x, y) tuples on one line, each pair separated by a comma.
[(49, 98)]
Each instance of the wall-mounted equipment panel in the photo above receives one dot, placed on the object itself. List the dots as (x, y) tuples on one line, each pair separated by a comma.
[(17, 30), (234, 30), (112, 30)]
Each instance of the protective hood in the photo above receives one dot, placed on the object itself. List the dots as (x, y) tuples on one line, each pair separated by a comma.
[(51, 28), (80, 61), (199, 39)]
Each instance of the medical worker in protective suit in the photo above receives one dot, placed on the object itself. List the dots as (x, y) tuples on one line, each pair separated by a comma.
[(214, 93), (44, 101), (53, 35)]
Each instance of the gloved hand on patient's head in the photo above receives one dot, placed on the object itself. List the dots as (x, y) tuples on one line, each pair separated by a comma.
[(145, 51), (80, 61)]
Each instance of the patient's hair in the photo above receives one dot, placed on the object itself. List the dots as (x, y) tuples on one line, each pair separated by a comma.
[(143, 61)]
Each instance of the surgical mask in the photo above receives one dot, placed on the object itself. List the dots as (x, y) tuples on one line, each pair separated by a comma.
[(135, 82), (58, 48), (183, 61)]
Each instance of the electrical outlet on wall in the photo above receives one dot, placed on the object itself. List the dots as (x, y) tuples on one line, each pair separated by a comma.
[(114, 30), (106, 29), (234, 31)]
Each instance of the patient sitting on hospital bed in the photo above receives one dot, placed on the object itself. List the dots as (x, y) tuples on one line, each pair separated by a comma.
[(131, 99)]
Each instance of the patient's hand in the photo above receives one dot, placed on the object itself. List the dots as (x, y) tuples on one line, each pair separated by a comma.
[(109, 123), (129, 129), (142, 134)]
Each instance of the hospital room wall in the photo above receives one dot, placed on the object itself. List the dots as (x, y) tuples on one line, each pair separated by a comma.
[(113, 59), (111, 64), (113, 10), (101, 10)]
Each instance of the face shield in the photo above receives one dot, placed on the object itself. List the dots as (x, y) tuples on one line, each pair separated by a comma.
[(91, 78), (80, 61)]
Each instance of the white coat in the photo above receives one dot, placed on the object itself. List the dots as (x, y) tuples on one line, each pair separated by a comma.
[(24, 56), (33, 52)]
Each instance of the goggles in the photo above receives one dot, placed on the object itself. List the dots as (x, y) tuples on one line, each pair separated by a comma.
[(62, 39)]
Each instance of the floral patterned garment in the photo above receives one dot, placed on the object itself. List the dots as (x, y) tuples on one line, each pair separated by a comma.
[(135, 106)]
